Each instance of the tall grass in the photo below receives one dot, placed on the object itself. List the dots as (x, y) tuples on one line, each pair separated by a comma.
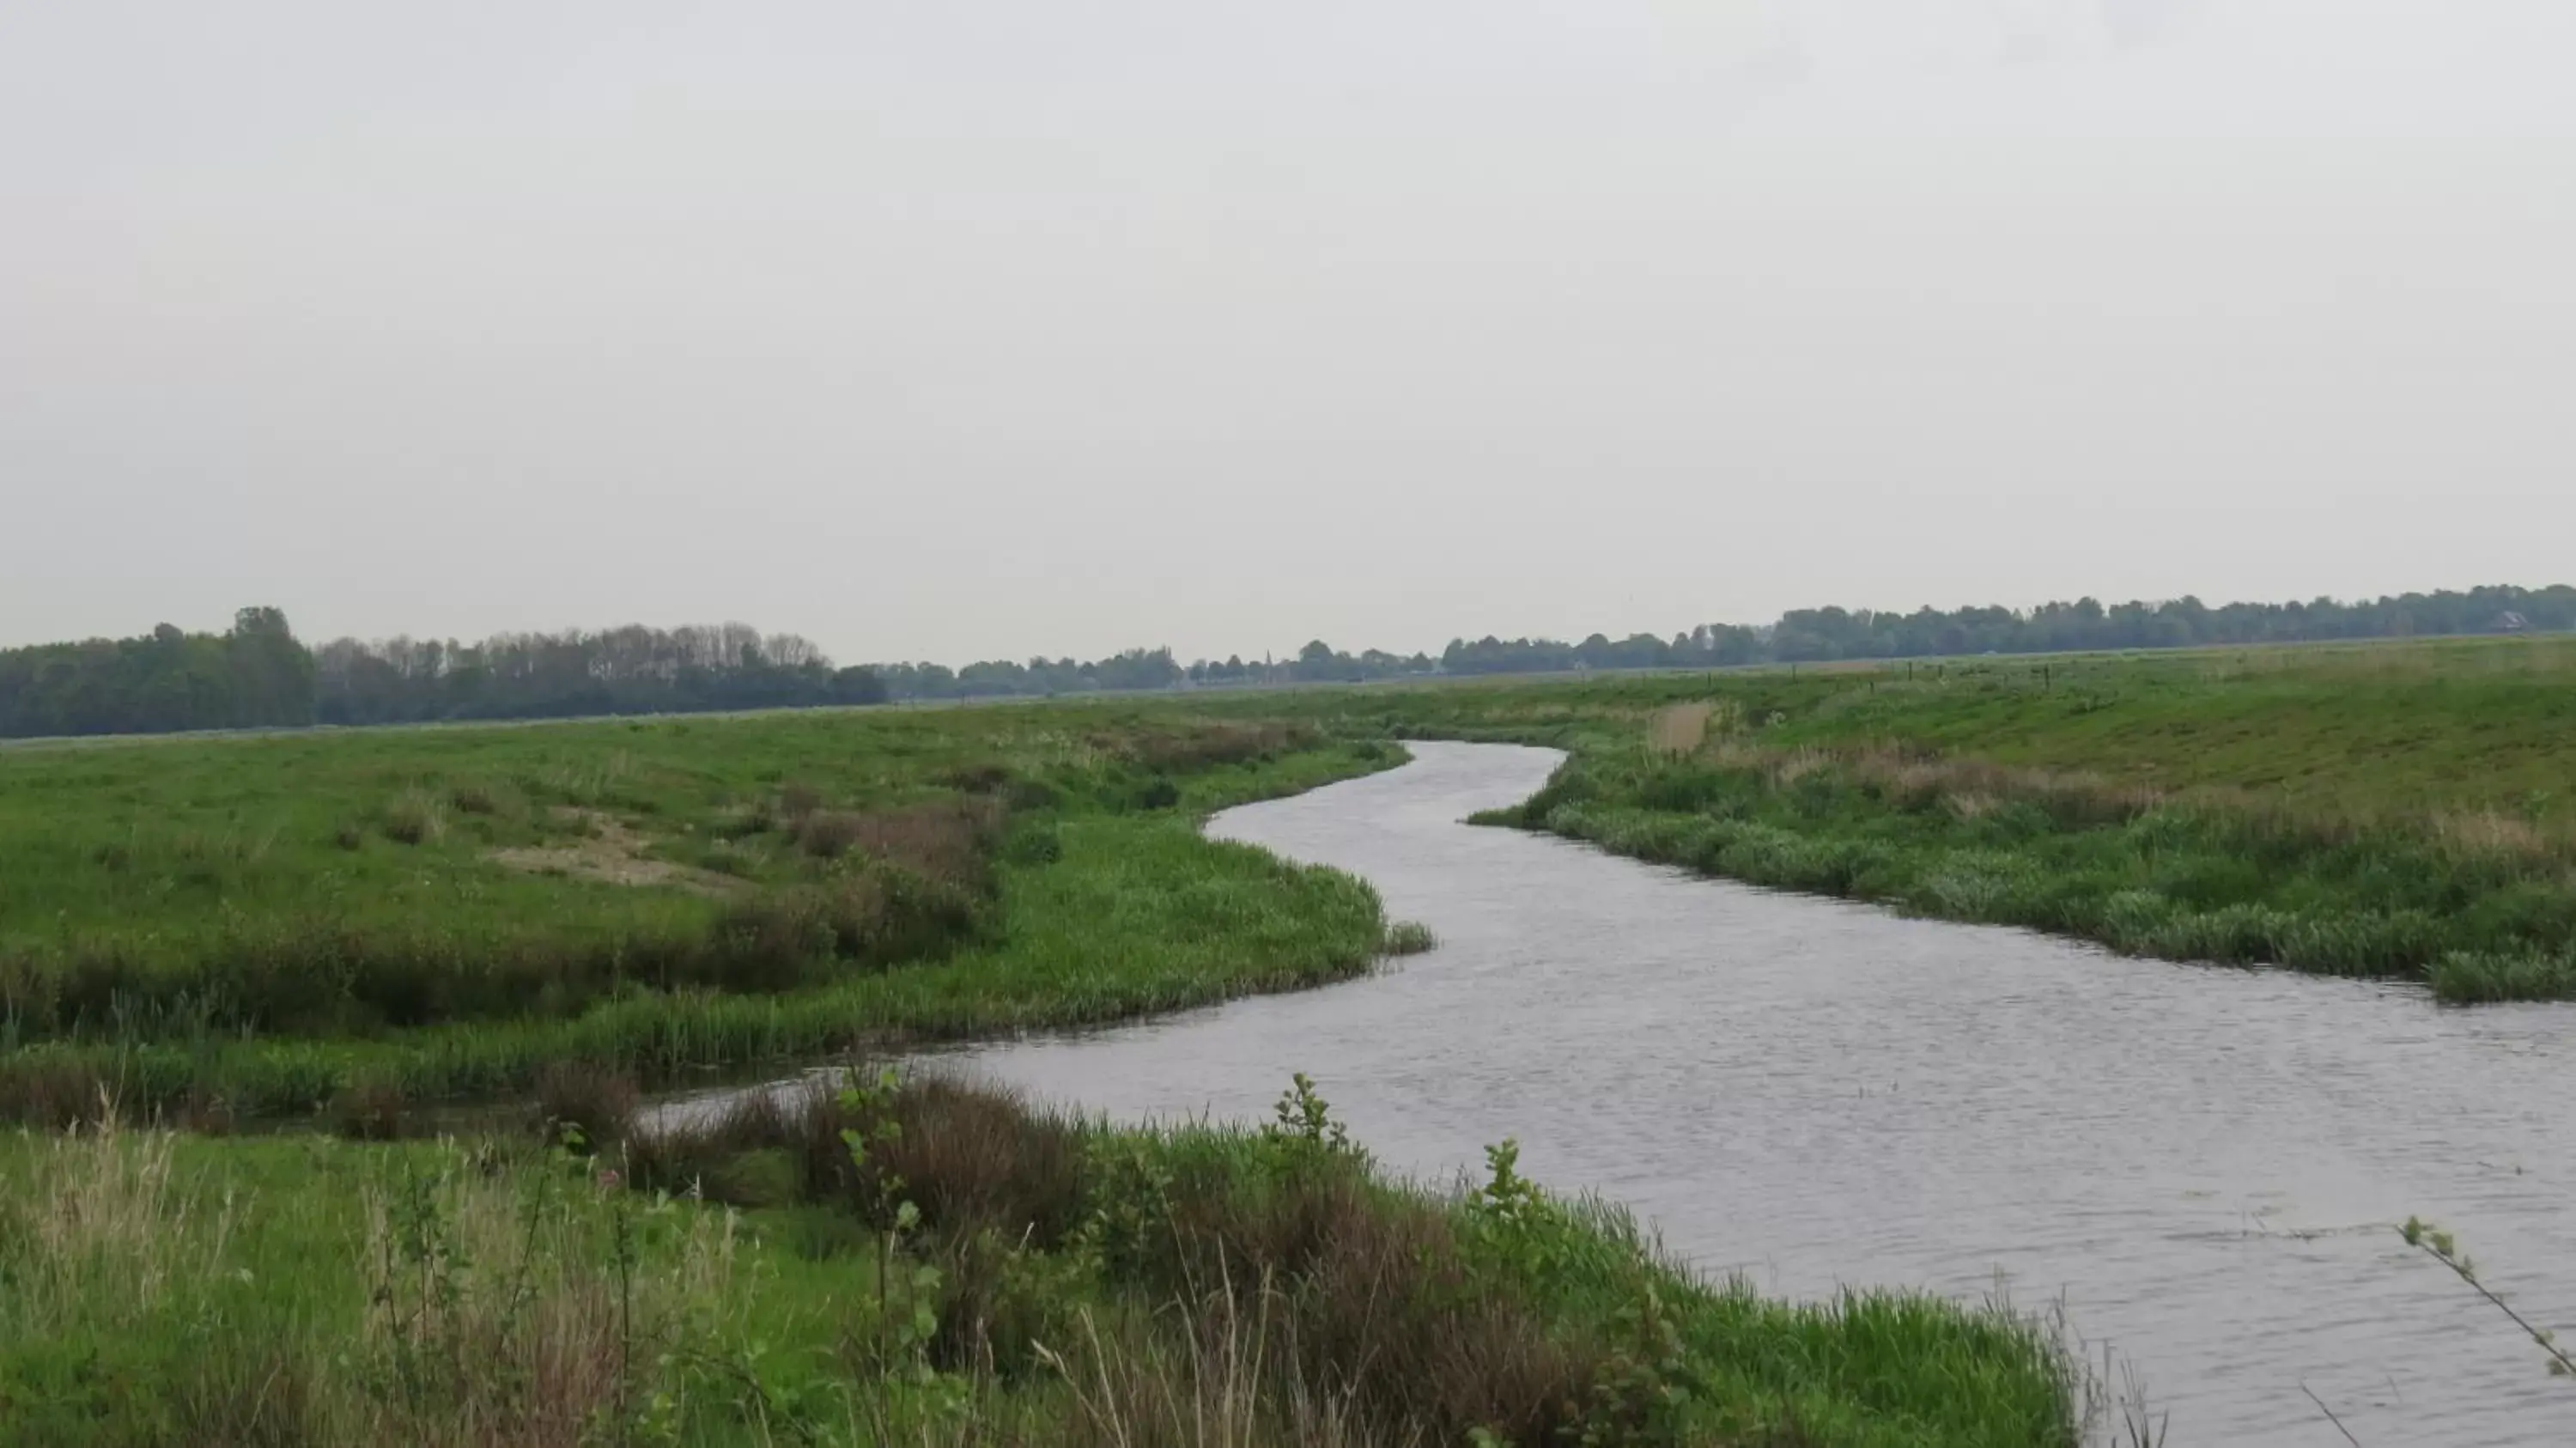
[(976, 1273), (2180, 877)]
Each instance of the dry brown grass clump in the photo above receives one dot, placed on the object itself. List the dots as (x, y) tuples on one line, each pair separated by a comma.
[(1679, 729), (1385, 1305), (945, 840), (581, 1097), (973, 1159), (1216, 1371), (2490, 832), (1180, 749), (980, 1159), (1914, 779), (797, 800), (1302, 1304), (104, 1219), (492, 1323), (373, 1110), (53, 1092), (415, 817), (1973, 788)]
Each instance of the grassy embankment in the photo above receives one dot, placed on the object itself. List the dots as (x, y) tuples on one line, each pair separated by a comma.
[(2397, 811), (350, 924), (973, 1273), (254, 926)]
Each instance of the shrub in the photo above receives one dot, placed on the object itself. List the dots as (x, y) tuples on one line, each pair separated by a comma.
[(1408, 937), (1192, 747), (585, 1104), (375, 1109), (477, 798), (52, 1090), (951, 841), (978, 1160), (2464, 977), (414, 818), (827, 834)]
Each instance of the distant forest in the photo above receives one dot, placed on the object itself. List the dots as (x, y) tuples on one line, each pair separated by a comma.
[(257, 675), (1807, 635)]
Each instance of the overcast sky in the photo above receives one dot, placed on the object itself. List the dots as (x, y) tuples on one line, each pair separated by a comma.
[(951, 329)]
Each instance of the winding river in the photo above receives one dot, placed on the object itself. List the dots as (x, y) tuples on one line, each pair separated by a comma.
[(2202, 1167)]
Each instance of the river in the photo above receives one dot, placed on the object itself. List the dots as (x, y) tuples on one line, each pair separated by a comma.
[(2205, 1167)]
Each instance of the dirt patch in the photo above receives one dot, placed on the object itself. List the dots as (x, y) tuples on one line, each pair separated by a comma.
[(613, 854)]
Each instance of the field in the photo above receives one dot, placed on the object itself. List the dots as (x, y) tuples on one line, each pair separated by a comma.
[(2405, 811), (456, 958), (447, 962), (257, 926)]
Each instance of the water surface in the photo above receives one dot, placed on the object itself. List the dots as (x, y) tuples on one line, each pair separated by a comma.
[(2205, 1165)]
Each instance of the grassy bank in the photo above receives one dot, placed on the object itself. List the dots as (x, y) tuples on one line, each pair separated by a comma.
[(327, 885), (2400, 811), (241, 927), (349, 930), (1132, 916), (916, 1262)]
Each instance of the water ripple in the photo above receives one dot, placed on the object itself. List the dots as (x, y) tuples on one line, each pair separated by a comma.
[(2204, 1165)]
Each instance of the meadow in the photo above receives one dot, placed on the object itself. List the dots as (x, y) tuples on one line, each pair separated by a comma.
[(302, 923), (328, 1050), (457, 959)]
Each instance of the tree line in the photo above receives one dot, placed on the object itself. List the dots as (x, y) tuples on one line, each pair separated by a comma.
[(1133, 670), (258, 675), (253, 675), (629, 670), (1811, 635)]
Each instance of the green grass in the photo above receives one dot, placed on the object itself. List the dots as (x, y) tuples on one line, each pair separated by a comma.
[(2358, 732), (974, 1273), (1135, 916), (328, 928), (233, 928), (337, 885)]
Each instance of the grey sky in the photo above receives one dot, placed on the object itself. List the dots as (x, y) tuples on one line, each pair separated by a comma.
[(963, 329)]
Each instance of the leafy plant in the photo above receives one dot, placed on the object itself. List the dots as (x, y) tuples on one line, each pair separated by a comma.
[(1302, 1132), (1512, 1231), (902, 1332), (2439, 1245)]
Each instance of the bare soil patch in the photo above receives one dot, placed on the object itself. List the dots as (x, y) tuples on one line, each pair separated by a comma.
[(612, 853)]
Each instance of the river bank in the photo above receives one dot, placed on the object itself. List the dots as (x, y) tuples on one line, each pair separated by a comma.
[(2393, 812), (911, 1263), (2206, 1169), (238, 928)]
